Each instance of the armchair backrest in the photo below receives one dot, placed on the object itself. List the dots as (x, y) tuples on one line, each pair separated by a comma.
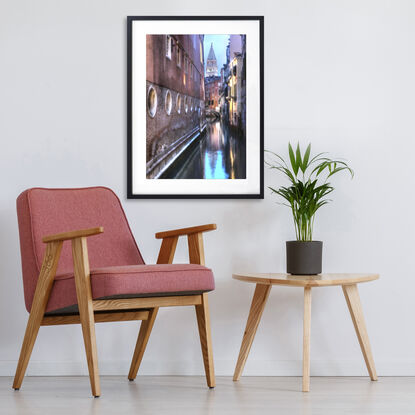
[(43, 212)]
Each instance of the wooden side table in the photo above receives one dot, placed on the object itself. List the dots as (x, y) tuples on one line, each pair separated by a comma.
[(264, 282)]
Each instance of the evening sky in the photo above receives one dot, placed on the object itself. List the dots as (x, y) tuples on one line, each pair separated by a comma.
[(220, 42)]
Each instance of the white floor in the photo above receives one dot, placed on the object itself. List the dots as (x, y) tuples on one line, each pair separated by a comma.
[(189, 395)]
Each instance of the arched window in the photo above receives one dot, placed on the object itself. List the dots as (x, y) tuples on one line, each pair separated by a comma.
[(178, 103), (152, 102), (168, 102), (186, 104)]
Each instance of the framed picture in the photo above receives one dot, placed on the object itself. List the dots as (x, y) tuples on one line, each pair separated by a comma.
[(195, 107)]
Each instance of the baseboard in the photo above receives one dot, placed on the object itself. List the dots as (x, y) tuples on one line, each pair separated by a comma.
[(222, 368)]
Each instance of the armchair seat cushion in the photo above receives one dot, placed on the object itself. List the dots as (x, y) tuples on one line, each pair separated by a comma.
[(130, 281)]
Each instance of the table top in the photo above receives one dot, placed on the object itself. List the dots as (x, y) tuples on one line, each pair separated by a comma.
[(319, 280)]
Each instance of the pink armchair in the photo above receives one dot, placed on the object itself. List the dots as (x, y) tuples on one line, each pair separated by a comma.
[(105, 279)]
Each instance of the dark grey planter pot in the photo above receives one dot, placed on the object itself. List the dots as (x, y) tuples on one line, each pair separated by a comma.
[(304, 258)]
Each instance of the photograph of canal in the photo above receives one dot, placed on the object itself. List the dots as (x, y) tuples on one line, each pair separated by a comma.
[(196, 106)]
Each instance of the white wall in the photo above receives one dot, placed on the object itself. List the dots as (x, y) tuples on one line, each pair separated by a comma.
[(338, 73)]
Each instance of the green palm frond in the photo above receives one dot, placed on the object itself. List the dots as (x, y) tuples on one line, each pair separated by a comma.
[(307, 195)]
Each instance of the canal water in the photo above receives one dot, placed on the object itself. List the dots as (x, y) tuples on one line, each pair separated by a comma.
[(219, 154)]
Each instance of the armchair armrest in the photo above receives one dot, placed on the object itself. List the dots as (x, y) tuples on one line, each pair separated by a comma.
[(194, 240), (73, 234), (186, 231)]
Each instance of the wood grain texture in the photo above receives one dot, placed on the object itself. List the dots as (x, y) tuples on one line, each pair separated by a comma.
[(167, 250), (146, 302), (86, 309), (99, 318), (40, 300), (352, 297), (203, 323), (73, 234), (319, 280), (255, 313), (142, 340), (196, 248), (186, 231), (306, 339)]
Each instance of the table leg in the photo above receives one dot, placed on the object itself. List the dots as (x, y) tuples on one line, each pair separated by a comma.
[(306, 339), (351, 294), (255, 313)]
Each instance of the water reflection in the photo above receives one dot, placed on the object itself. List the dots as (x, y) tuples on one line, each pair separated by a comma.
[(220, 154), (217, 171)]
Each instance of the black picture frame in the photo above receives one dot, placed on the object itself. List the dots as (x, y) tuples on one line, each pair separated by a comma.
[(130, 194)]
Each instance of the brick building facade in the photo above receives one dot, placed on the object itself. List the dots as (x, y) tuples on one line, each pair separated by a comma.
[(175, 97)]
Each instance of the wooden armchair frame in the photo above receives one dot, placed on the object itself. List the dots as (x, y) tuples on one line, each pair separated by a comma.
[(97, 311)]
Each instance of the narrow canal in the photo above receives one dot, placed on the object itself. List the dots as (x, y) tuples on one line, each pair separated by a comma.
[(219, 154)]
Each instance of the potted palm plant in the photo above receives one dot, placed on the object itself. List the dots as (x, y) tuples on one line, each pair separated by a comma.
[(305, 195)]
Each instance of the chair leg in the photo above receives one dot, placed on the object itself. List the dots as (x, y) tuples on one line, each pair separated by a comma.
[(32, 330), (40, 300), (142, 340), (86, 310), (203, 322), (88, 331)]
